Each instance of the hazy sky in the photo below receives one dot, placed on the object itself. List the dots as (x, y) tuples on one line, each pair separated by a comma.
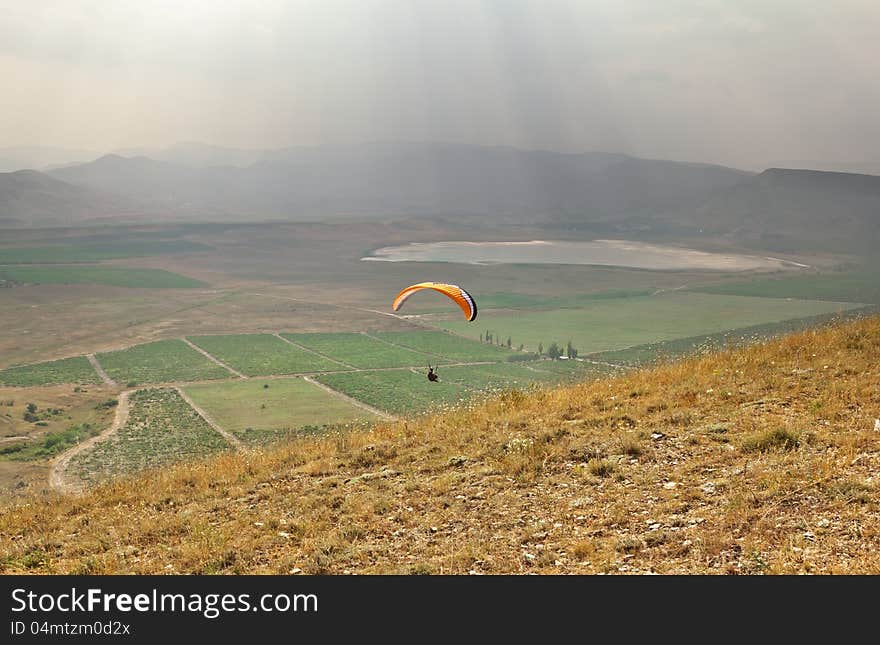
[(739, 82)]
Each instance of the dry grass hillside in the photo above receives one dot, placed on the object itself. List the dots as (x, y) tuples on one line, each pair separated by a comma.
[(763, 460)]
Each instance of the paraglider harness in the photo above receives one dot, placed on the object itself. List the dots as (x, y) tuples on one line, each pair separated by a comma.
[(432, 375)]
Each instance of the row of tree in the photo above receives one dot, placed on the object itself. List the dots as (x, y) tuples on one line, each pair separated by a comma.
[(554, 351)]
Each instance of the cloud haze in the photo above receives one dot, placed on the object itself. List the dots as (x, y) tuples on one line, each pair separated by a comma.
[(730, 81)]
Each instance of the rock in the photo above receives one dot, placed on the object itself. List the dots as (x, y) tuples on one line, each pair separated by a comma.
[(457, 460), (385, 472)]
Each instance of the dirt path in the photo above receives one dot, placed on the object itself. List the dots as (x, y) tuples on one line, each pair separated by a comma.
[(659, 291), (607, 364), (20, 438), (315, 352), (230, 438), (363, 406), (100, 370), (57, 471), (212, 358)]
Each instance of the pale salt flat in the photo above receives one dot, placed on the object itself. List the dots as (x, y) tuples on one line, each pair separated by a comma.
[(623, 253)]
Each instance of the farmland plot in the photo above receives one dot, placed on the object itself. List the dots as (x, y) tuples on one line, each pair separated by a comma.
[(161, 428)]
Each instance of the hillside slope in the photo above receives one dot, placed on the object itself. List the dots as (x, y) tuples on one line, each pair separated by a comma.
[(793, 210), (30, 198), (762, 460)]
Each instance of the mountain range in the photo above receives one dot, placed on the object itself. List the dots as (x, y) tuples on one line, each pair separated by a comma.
[(604, 192)]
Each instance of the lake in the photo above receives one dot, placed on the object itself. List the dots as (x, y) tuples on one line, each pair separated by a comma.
[(623, 253)]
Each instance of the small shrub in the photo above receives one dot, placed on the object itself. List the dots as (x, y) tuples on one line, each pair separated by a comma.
[(600, 467), (780, 438), (631, 447)]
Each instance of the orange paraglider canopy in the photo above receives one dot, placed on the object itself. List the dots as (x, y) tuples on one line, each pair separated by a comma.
[(461, 297)]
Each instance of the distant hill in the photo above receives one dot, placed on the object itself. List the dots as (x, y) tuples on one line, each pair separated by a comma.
[(505, 184), (789, 209), (30, 198), (198, 155)]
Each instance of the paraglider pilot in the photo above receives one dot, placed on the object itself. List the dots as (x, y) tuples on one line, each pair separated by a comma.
[(432, 376)]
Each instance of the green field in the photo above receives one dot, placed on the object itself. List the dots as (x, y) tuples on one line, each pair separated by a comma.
[(360, 350), (80, 251), (161, 428), (398, 391), (850, 286), (263, 355), (455, 348), (484, 379), (67, 370), (257, 409), (96, 274), (635, 321), (164, 361)]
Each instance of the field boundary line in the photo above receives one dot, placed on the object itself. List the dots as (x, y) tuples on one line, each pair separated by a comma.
[(211, 358), (314, 351), (58, 469), (100, 370), (607, 364), (363, 406), (231, 439)]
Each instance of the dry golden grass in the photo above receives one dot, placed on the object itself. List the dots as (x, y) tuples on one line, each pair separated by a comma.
[(763, 460)]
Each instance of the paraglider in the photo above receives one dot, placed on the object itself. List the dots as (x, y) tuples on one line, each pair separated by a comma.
[(432, 375), (461, 297)]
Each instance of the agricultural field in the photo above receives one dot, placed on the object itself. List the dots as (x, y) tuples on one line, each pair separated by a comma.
[(445, 345), (93, 251), (97, 274), (485, 379), (575, 369), (617, 324), (263, 355), (164, 361), (396, 391), (66, 370), (862, 285), (257, 410), (360, 350), (161, 428)]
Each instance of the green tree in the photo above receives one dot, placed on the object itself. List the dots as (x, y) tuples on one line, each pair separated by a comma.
[(540, 349), (554, 351), (31, 407), (508, 342), (570, 351)]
